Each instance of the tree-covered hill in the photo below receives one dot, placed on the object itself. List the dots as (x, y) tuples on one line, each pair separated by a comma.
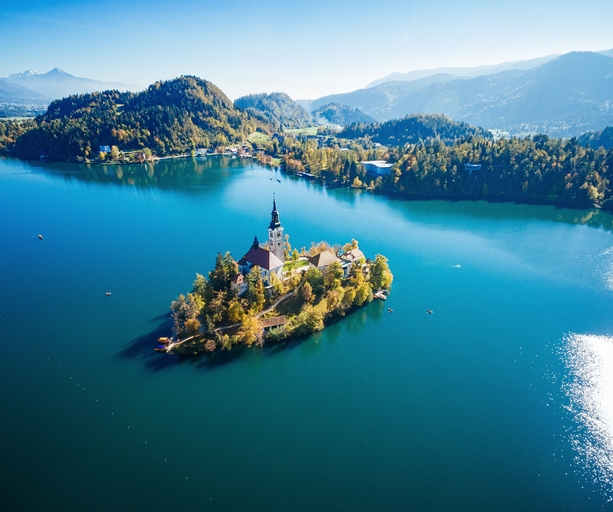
[(276, 108), (168, 118), (412, 129), (599, 139), (342, 115)]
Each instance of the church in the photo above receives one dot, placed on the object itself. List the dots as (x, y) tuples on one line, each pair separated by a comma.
[(270, 257)]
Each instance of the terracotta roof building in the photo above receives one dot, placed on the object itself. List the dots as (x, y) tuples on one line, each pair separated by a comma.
[(323, 259), (268, 262)]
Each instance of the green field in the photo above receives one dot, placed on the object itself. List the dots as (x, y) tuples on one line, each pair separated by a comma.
[(258, 137)]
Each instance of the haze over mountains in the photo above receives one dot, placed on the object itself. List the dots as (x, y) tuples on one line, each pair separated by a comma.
[(29, 93), (566, 96), (561, 96)]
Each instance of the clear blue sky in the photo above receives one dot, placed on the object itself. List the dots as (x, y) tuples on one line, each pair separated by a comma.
[(307, 49)]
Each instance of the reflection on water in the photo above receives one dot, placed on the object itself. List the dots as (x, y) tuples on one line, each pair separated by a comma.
[(588, 385), (198, 175)]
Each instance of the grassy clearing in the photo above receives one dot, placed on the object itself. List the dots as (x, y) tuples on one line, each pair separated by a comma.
[(256, 137), (289, 265)]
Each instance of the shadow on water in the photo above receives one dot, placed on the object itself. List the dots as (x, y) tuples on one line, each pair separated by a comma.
[(142, 347), (202, 176)]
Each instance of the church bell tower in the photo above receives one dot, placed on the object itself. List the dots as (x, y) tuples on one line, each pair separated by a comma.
[(275, 234)]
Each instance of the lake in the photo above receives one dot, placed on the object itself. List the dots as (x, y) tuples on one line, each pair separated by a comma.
[(500, 400)]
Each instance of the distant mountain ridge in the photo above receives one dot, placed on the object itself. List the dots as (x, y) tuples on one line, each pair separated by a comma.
[(464, 72), (377, 101), (57, 84), (564, 97)]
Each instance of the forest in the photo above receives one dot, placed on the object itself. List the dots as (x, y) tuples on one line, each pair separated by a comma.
[(412, 129), (429, 153), (277, 109), (170, 117), (538, 168)]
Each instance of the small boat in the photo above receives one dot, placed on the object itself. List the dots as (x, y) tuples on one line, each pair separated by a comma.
[(164, 340), (429, 312), (108, 294), (278, 180), (160, 348), (40, 237), (270, 179), (390, 310)]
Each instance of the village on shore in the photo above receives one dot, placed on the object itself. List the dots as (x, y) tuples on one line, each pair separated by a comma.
[(273, 293)]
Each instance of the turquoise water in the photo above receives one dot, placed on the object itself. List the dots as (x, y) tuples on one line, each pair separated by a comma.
[(500, 400)]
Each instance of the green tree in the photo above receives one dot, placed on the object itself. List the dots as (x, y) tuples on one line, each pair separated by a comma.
[(316, 279), (249, 332), (235, 311), (380, 276), (255, 289), (306, 293), (332, 275)]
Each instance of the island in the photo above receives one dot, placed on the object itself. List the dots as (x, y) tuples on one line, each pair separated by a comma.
[(273, 293)]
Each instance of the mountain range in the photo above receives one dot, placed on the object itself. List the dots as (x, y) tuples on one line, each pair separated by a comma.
[(566, 96), (29, 93)]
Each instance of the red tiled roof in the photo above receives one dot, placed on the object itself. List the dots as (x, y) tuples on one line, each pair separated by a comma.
[(263, 258)]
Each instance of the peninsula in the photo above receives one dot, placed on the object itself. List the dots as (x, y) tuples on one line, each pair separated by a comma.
[(273, 293)]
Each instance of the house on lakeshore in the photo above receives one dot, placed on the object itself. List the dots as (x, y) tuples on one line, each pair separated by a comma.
[(269, 258), (377, 167)]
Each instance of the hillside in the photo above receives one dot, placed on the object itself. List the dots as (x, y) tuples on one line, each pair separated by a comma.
[(564, 97), (168, 118), (598, 139), (413, 129), (277, 109), (57, 84), (342, 115)]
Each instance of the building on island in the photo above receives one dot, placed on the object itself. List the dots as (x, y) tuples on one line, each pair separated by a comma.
[(349, 257), (323, 260), (271, 257), (377, 167)]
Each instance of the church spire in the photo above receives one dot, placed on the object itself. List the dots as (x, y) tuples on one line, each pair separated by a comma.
[(276, 242), (274, 222)]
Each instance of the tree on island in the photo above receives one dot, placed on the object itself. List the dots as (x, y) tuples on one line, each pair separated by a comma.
[(213, 315)]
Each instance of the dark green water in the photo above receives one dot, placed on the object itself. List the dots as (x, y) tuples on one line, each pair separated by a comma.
[(484, 405)]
